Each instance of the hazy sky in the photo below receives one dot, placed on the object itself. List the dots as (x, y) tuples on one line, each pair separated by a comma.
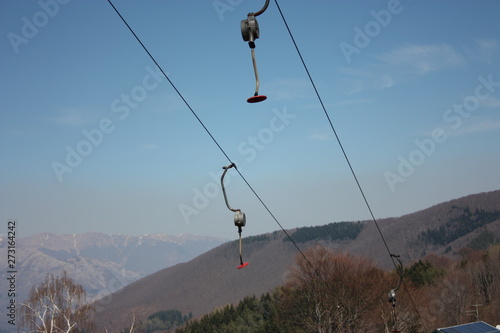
[(93, 138)]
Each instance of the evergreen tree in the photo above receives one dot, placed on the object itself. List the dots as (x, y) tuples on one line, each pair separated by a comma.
[(423, 273)]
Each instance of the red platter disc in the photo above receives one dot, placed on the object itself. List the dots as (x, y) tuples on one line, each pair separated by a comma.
[(243, 265), (256, 99)]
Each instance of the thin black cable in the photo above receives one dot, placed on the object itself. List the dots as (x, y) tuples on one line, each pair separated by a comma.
[(220, 147), (274, 218), (169, 81), (333, 128), (343, 151), (209, 133)]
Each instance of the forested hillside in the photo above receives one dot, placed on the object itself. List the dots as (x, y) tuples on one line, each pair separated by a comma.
[(434, 267), (349, 294), (461, 222), (330, 232)]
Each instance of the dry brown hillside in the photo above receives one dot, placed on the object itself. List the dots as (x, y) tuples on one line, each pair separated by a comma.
[(212, 280)]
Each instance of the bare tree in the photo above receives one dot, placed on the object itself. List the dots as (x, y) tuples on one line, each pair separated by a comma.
[(331, 292), (485, 274), (57, 305)]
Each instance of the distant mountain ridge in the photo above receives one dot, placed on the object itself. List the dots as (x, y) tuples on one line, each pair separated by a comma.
[(160, 250), (211, 280), (100, 262)]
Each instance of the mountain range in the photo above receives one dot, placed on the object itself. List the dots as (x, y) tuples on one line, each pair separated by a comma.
[(135, 276), (211, 280), (101, 263)]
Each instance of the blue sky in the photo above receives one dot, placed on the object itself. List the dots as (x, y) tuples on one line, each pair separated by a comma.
[(93, 138)]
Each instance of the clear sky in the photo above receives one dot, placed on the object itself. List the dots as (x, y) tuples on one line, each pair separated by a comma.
[(93, 138)]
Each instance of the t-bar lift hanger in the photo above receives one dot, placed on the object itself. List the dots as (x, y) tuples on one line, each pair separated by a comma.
[(239, 216), (250, 32), (392, 293)]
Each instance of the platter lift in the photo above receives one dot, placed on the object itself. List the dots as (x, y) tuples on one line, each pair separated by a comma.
[(250, 32), (239, 216), (392, 293)]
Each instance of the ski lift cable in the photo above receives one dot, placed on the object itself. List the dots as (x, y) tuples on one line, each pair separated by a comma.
[(334, 131), (208, 131), (169, 81), (343, 151), (219, 146)]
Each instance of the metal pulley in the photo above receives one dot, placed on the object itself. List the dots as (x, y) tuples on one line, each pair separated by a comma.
[(250, 32), (239, 216), (239, 219), (392, 297)]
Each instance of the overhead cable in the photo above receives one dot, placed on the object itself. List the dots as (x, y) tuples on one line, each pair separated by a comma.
[(208, 132), (341, 146)]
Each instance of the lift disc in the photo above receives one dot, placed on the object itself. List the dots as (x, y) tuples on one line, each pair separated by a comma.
[(242, 265), (256, 99)]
